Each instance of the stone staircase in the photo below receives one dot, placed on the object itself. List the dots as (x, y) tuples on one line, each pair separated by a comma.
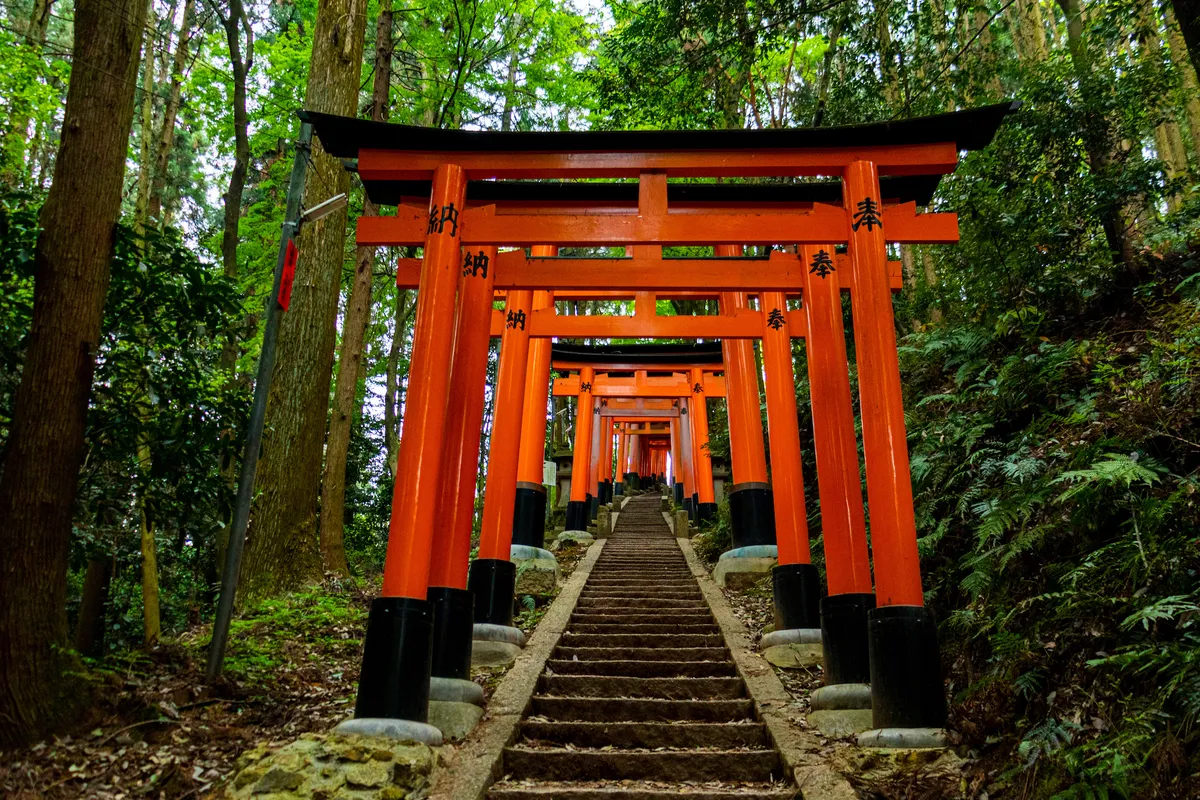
[(640, 700)]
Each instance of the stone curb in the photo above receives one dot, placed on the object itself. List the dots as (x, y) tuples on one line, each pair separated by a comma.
[(752, 551), (486, 632), (476, 765), (790, 636), (799, 749)]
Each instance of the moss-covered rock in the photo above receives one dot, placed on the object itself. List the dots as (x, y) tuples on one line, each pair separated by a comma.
[(333, 767)]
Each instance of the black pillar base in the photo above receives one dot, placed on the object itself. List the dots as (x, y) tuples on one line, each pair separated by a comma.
[(690, 508), (752, 513), (844, 637), (529, 517), (633, 480), (678, 493), (906, 669), (708, 511), (397, 652), (453, 616), (577, 515), (593, 505), (797, 592), (618, 488), (493, 582), (606, 492)]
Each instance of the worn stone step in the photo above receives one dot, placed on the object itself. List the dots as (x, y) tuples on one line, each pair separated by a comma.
[(672, 735), (660, 592), (645, 669), (590, 709), (667, 765), (665, 640), (641, 653), (661, 688), (682, 616), (645, 628), (605, 602), (637, 790)]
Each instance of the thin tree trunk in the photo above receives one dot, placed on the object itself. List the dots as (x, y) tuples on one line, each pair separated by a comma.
[(45, 445), (90, 627), (1187, 14), (1029, 31), (1187, 78), (150, 611), (354, 329), (835, 33), (392, 396), (166, 139), (283, 551), (514, 63), (145, 140)]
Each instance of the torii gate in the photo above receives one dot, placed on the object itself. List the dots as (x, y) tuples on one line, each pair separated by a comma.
[(634, 399), (421, 587)]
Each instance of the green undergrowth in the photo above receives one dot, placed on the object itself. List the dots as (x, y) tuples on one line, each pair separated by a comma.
[(322, 625), (1055, 466)]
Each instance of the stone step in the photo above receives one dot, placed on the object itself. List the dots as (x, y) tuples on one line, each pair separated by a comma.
[(641, 653), (661, 688), (668, 765), (674, 736), (682, 616), (588, 602), (645, 669), (590, 709), (645, 628), (665, 640), (634, 790)]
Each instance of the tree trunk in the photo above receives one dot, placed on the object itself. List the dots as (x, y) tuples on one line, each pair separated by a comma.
[(283, 550), (1187, 15), (392, 394), (1099, 144), (14, 171), (354, 329), (145, 140), (1187, 78), (90, 627), (166, 139), (1029, 31), (150, 613), (835, 33), (514, 63), (240, 65), (45, 445)]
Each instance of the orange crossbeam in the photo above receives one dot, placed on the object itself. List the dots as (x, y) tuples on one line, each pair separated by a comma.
[(745, 324), (620, 388), (905, 159), (680, 278), (823, 224)]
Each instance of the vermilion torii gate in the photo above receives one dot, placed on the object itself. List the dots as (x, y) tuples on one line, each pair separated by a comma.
[(422, 587), (638, 371)]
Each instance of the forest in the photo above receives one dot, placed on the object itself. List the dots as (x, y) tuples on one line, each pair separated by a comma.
[(1051, 359)]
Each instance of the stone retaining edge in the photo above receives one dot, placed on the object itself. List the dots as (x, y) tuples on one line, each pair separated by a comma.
[(799, 749), (476, 765)]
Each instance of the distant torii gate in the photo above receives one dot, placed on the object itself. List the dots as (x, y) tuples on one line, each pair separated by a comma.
[(421, 597)]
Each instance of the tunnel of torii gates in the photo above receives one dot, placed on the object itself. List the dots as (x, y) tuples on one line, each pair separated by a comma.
[(461, 195)]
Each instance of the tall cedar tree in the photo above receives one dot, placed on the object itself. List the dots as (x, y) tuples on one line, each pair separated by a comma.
[(282, 550), (354, 329), (45, 446)]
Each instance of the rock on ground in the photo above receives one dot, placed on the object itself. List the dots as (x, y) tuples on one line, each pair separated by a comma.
[(333, 767)]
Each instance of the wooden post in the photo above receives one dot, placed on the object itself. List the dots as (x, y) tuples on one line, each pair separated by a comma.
[(622, 457), (706, 501), (394, 682), (905, 668), (581, 464), (843, 523), (529, 515), (453, 605), (489, 578), (751, 505)]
